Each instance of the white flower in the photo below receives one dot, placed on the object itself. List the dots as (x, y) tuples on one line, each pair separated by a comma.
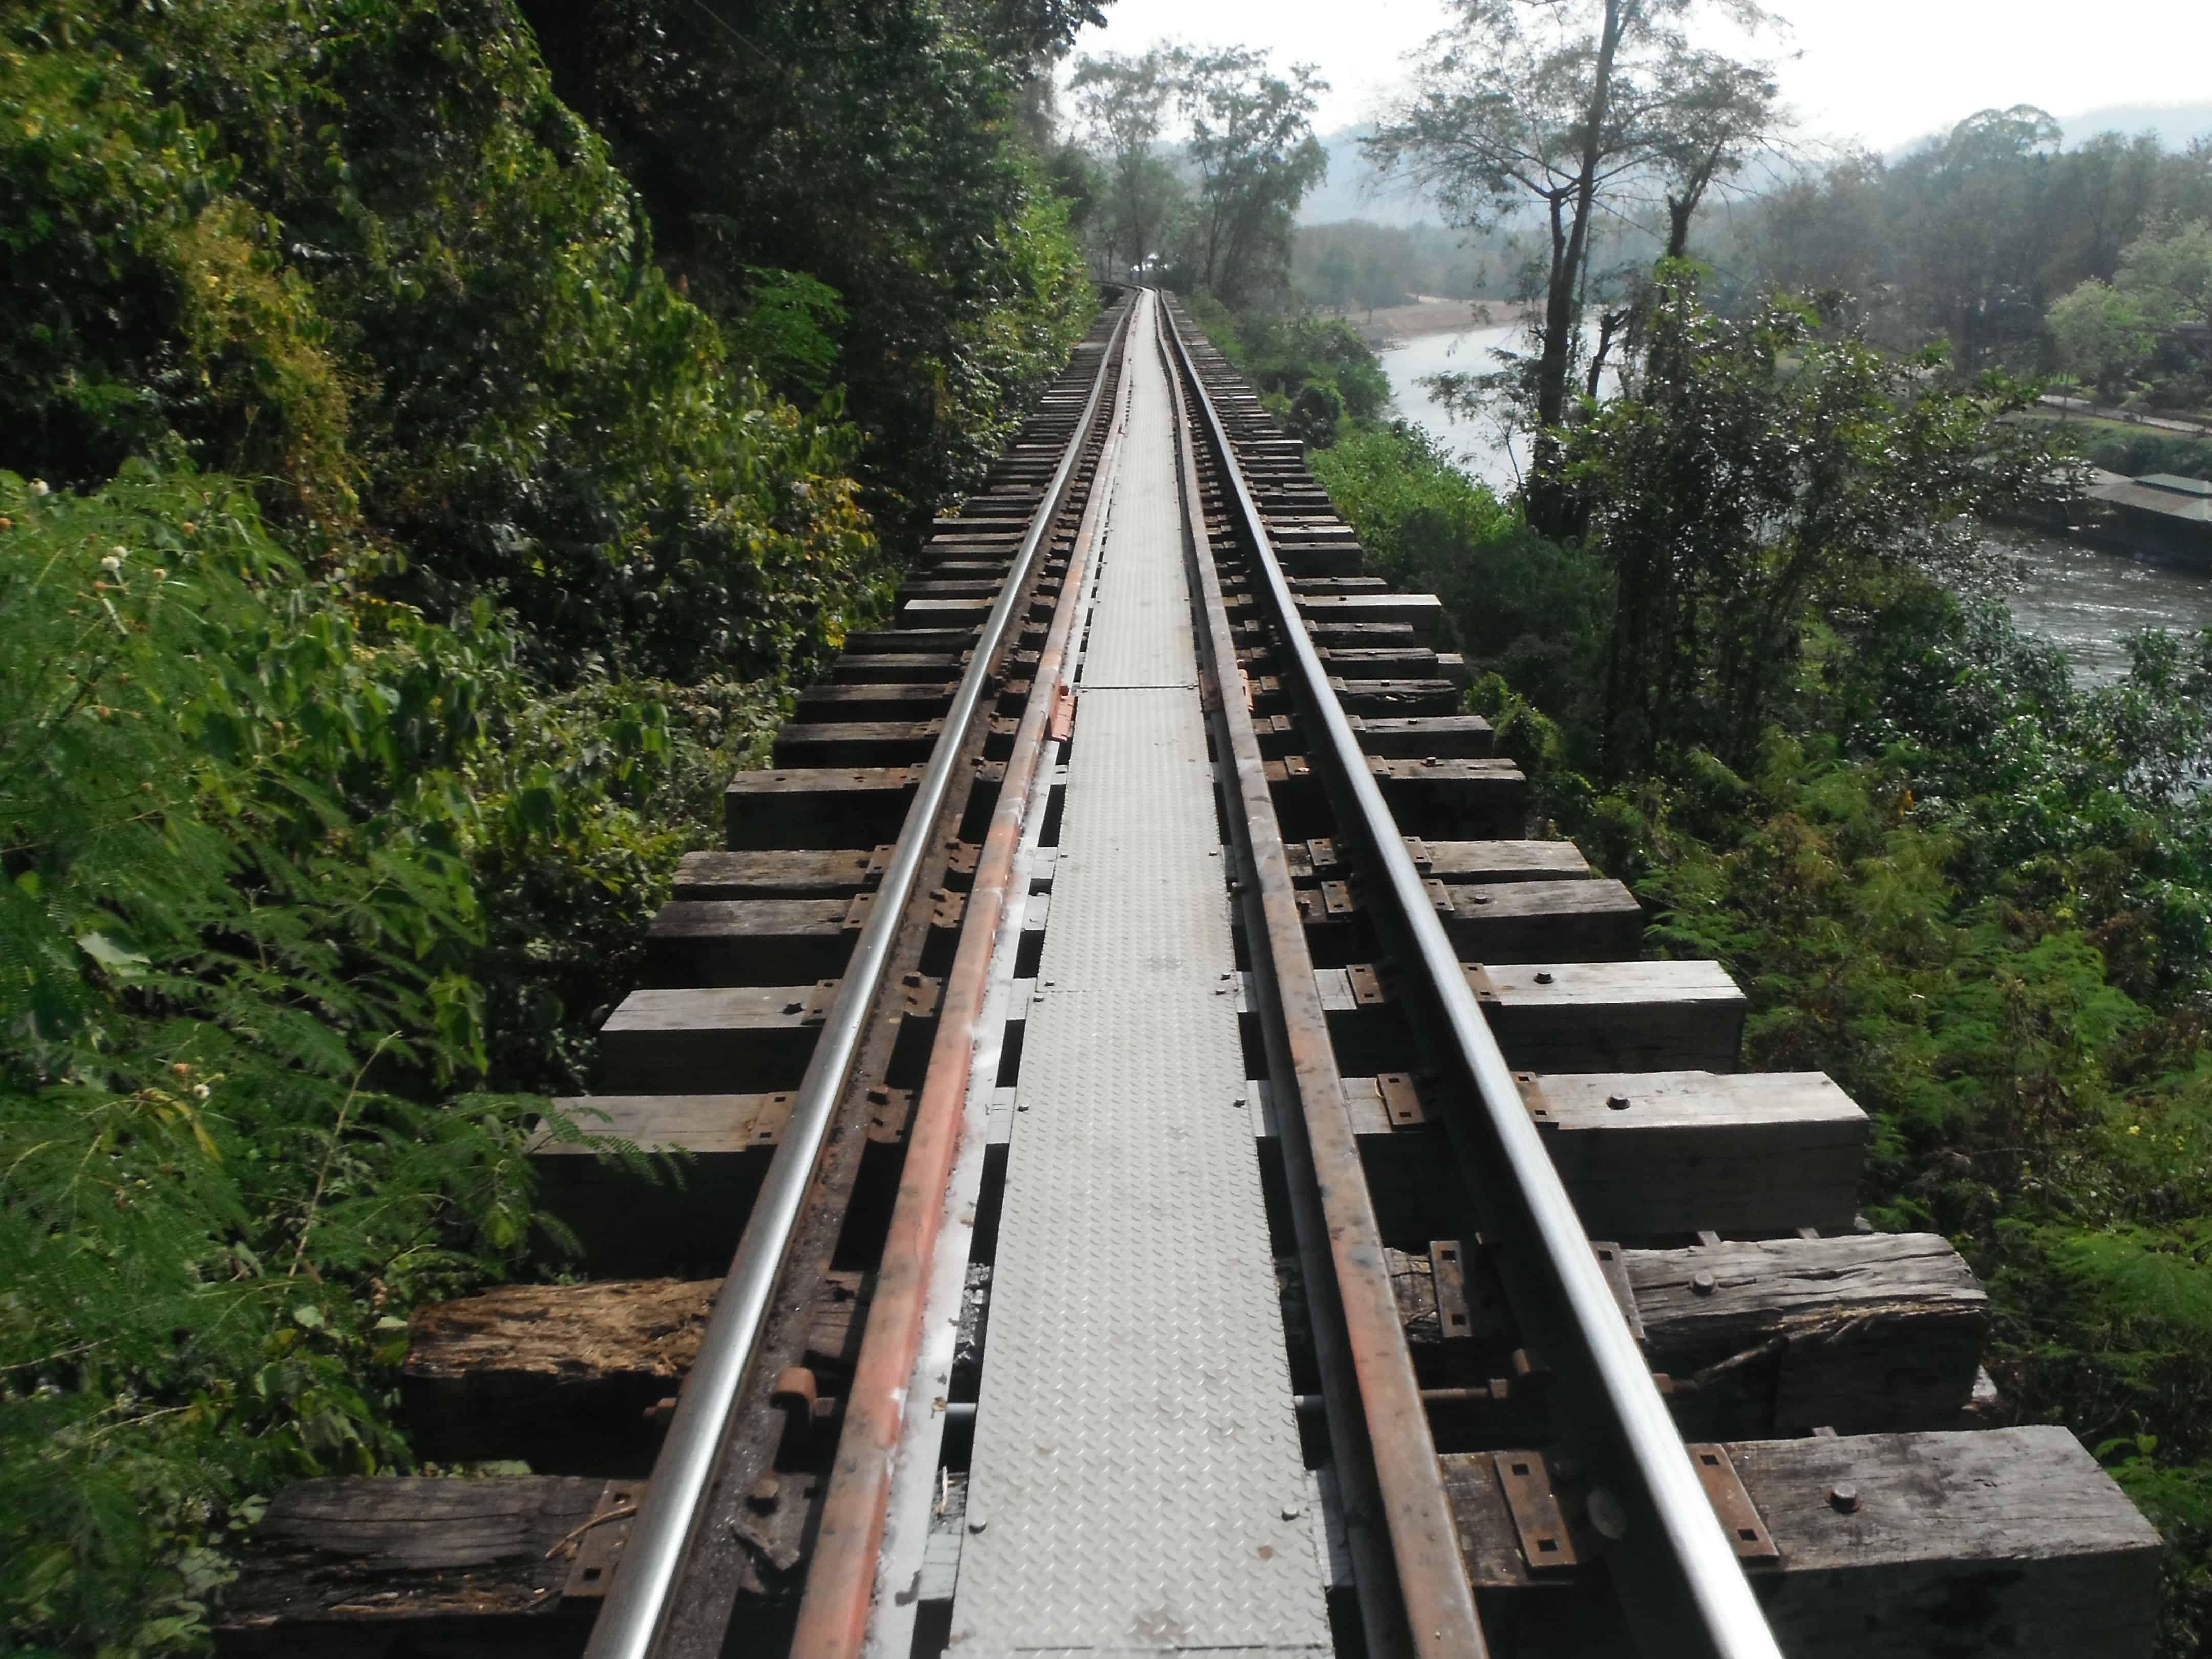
[(120, 552), (110, 564), (38, 487), (201, 1091)]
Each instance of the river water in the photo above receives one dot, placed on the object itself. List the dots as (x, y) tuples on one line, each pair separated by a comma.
[(2083, 600)]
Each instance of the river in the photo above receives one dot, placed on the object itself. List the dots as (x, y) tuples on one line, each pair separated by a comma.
[(2085, 601)]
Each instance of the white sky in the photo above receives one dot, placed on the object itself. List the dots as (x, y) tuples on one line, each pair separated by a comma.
[(1880, 72)]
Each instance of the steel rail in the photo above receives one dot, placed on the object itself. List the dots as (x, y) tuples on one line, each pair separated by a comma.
[(1679, 1577), (1414, 1595), (837, 1608), (634, 1618)]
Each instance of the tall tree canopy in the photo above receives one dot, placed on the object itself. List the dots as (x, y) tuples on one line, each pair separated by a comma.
[(1121, 106), (1253, 147), (1975, 236), (1210, 201), (868, 144), (1563, 106)]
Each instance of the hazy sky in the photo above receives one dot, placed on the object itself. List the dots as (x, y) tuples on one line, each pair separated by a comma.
[(1881, 71)]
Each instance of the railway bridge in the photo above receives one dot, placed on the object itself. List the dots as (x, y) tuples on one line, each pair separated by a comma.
[(1169, 1167)]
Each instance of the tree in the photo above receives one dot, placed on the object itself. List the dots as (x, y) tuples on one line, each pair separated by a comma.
[(1725, 110), (2102, 334), (873, 147), (1977, 221), (2169, 273), (1253, 148), (1730, 501), (1122, 103), (1336, 271), (1564, 104)]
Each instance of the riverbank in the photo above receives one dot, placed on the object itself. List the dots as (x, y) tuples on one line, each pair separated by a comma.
[(2084, 599), (1386, 326), (2192, 426)]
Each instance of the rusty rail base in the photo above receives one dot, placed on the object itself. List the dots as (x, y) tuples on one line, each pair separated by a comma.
[(834, 1614), (1412, 1586)]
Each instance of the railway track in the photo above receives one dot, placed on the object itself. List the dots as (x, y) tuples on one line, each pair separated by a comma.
[(1198, 1179)]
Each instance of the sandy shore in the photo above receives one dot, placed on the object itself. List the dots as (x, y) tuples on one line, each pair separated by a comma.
[(1387, 325)]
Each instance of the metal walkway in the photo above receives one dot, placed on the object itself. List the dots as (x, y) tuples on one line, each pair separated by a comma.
[(1137, 1484)]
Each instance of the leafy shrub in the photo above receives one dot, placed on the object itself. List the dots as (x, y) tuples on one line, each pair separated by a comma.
[(2137, 452), (459, 352), (872, 150), (238, 927), (1285, 357), (424, 561), (1515, 602)]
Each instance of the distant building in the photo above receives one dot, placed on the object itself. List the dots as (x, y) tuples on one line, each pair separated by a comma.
[(2160, 514)]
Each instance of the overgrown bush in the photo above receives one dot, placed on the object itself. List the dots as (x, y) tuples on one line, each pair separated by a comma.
[(1287, 358), (246, 823), (418, 563), (872, 149), (358, 248), (1515, 602), (2137, 452)]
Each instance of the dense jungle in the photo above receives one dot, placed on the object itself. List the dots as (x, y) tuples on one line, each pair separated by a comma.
[(438, 436)]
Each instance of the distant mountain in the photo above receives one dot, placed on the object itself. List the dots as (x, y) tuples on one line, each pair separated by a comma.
[(2176, 124), (1349, 191)]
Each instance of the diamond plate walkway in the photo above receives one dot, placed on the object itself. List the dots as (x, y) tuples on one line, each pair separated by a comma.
[(1137, 1486)]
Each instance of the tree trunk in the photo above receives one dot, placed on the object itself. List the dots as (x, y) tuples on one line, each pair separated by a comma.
[(1609, 325), (1680, 210), (1551, 510)]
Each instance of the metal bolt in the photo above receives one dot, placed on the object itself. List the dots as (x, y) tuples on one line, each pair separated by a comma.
[(977, 1523), (1607, 1515), (1704, 1285), (1289, 1511), (765, 1492), (1843, 1497), (1543, 978), (1618, 1102)]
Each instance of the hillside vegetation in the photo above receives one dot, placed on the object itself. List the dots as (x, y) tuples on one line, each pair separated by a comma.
[(404, 527), (1760, 690)]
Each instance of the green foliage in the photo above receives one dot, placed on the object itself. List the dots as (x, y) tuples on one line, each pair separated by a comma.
[(1731, 500), (1974, 236), (1285, 357), (1356, 264), (1217, 211), (2101, 333), (1254, 156), (2136, 452), (1528, 608), (467, 338), (423, 561), (2169, 271), (240, 931), (1977, 897), (869, 149), (1121, 105)]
